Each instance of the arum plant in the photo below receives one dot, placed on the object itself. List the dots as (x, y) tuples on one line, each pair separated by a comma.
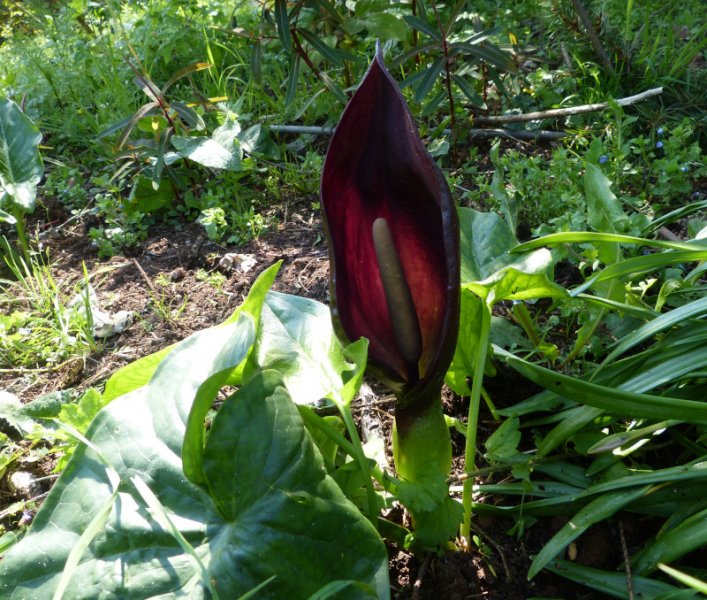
[(394, 252)]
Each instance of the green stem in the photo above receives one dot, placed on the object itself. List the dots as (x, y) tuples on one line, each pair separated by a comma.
[(22, 235), (353, 448), (473, 422), (363, 464), (520, 312)]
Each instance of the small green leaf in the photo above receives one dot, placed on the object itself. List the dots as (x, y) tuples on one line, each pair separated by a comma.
[(503, 443), (209, 152), (145, 199), (385, 26), (604, 212)]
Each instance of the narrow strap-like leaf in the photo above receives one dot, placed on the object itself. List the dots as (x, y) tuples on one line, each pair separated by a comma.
[(422, 26), (283, 24), (597, 510)]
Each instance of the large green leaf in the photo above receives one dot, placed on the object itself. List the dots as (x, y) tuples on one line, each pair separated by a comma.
[(492, 274), (466, 351), (139, 373), (20, 164), (297, 340), (603, 208), (485, 241), (163, 538), (269, 482)]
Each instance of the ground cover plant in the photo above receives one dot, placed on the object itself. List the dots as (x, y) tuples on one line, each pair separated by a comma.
[(153, 153)]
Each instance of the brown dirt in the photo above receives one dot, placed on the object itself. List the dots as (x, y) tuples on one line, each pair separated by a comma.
[(159, 283)]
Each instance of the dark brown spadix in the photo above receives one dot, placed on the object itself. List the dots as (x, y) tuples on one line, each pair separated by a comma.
[(401, 308)]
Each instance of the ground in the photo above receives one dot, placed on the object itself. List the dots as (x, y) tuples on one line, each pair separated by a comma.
[(163, 283)]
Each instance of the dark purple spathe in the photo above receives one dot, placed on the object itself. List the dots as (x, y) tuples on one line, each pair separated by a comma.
[(377, 166)]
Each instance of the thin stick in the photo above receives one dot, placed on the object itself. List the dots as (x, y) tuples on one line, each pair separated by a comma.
[(540, 135), (417, 586), (593, 37), (564, 112), (145, 277), (627, 562)]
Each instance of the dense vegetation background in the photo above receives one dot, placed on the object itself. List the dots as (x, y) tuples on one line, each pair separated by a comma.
[(161, 115)]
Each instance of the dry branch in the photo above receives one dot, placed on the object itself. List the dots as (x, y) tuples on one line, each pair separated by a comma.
[(479, 133), (539, 135), (565, 112)]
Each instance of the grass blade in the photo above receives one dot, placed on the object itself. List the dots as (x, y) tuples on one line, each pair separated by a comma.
[(616, 401), (159, 514), (613, 584), (684, 578), (689, 535), (591, 237), (632, 267), (692, 310), (597, 510)]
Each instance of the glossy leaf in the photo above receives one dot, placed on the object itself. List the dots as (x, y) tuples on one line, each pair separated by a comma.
[(298, 341), (604, 212), (245, 530), (21, 166), (485, 242), (137, 374), (208, 152)]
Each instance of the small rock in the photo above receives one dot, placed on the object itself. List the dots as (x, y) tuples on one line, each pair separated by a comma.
[(240, 263)]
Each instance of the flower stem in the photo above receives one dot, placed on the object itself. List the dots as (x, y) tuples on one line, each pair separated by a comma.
[(473, 422)]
